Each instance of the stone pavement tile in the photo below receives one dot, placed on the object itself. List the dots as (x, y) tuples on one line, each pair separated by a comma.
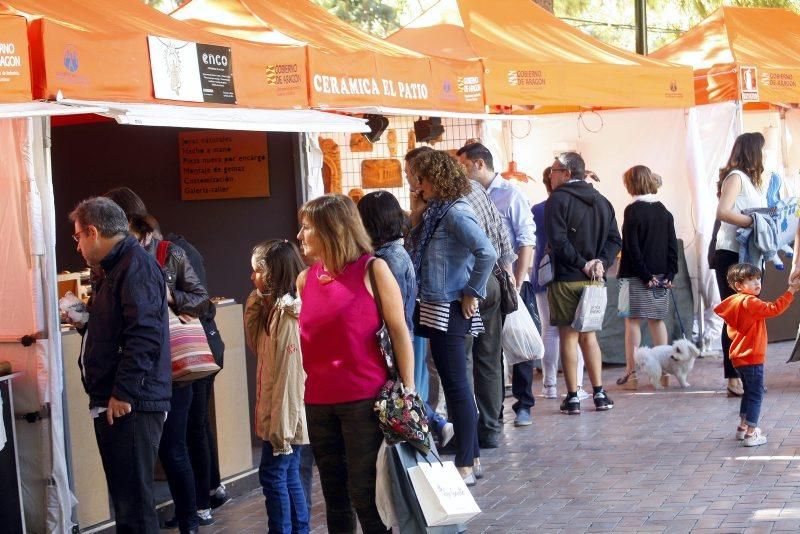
[(660, 461)]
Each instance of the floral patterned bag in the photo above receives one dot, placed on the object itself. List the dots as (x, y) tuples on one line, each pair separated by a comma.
[(401, 415)]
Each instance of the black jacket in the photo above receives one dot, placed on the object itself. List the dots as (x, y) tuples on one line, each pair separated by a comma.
[(126, 343), (207, 318), (649, 245), (189, 294), (580, 226)]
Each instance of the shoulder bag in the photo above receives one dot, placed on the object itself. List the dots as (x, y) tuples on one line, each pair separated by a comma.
[(401, 417), (188, 345)]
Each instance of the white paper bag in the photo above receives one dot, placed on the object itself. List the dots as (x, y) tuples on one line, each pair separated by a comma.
[(591, 309), (442, 494), (383, 488), (521, 340)]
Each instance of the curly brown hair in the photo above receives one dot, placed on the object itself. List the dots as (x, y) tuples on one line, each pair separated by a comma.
[(445, 174)]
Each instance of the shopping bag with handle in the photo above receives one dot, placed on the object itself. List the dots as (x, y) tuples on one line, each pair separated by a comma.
[(591, 308), (521, 340), (442, 494)]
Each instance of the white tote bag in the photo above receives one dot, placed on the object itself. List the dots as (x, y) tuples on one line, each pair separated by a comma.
[(521, 340), (591, 309), (442, 494)]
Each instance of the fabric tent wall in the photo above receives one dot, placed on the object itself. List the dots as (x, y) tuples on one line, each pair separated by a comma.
[(684, 146), (27, 290)]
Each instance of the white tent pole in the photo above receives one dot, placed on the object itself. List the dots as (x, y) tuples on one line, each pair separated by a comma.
[(739, 122), (784, 146)]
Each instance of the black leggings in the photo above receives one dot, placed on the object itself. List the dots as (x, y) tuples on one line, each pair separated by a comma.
[(724, 259)]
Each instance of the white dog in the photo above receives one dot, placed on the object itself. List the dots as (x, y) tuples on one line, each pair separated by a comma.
[(676, 359)]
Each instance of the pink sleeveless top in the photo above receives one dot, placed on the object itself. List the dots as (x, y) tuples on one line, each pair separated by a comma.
[(338, 322)]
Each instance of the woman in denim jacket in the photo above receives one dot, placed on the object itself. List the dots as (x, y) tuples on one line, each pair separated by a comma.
[(384, 221), (452, 259)]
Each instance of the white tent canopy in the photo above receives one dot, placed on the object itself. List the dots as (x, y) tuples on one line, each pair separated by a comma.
[(261, 120)]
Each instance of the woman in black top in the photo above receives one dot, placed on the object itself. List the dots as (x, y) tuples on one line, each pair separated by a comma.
[(648, 265)]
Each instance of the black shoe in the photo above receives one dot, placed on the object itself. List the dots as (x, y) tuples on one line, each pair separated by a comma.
[(602, 402), (219, 498), (488, 443), (571, 406), (171, 523)]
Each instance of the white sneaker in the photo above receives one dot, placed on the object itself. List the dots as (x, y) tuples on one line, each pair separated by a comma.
[(550, 392), (740, 432), (755, 439), (448, 431), (582, 395)]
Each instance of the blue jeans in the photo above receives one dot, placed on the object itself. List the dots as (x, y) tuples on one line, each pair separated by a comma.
[(306, 472), (421, 377), (283, 493), (753, 382), (174, 455)]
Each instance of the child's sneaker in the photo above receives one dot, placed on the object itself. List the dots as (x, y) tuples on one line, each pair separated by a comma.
[(582, 395), (571, 406), (755, 439), (549, 392), (740, 432), (602, 402)]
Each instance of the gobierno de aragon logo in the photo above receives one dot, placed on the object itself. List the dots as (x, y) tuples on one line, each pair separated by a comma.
[(71, 62)]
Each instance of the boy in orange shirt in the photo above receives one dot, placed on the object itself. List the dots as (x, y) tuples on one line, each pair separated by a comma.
[(745, 316)]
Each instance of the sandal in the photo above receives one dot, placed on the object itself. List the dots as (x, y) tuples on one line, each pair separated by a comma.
[(624, 378)]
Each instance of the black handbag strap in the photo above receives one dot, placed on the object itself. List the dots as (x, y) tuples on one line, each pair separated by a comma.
[(377, 296)]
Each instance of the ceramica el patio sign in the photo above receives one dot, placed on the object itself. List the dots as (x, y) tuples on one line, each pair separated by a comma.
[(191, 72), (223, 164)]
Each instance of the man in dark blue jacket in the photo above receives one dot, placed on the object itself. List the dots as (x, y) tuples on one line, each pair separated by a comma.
[(125, 361)]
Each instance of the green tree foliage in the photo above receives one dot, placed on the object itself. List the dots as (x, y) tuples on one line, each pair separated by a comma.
[(377, 17), (612, 21)]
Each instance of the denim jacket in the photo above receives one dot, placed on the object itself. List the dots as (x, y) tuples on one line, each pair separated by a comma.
[(395, 255), (459, 258)]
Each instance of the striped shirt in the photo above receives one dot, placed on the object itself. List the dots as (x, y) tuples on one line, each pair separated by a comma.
[(436, 315)]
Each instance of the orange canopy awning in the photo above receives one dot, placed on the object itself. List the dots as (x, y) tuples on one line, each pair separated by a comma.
[(96, 50), (748, 54), (15, 67), (347, 68), (534, 58)]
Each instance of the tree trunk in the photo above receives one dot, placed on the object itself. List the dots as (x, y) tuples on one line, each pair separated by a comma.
[(547, 4)]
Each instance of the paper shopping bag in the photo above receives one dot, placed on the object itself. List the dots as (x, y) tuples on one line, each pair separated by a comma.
[(442, 494), (591, 309)]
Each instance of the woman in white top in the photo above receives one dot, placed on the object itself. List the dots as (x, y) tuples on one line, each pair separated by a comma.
[(739, 188)]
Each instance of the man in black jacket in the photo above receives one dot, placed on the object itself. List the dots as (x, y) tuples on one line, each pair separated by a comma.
[(582, 231), (125, 361)]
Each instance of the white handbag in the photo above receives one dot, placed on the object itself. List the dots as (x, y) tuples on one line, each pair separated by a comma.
[(442, 494), (591, 309), (544, 273)]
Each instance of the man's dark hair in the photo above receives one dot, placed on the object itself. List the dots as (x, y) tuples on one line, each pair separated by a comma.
[(740, 272), (102, 213), (573, 162), (414, 152), (382, 217), (131, 204), (476, 151)]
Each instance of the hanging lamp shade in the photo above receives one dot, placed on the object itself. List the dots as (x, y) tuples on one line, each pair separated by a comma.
[(513, 174)]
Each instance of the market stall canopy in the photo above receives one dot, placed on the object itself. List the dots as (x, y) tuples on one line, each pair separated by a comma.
[(534, 58), (15, 77), (100, 50), (348, 69), (748, 54)]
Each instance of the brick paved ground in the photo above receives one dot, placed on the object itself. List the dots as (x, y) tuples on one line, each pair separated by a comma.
[(659, 462)]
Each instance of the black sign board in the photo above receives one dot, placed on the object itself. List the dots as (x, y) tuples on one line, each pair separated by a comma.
[(216, 74)]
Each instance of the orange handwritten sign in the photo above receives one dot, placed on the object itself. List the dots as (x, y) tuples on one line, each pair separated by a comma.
[(223, 164)]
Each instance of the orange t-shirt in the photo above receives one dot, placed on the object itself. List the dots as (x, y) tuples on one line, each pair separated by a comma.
[(746, 317)]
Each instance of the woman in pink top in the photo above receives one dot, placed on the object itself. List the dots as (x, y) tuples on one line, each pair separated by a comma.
[(343, 364)]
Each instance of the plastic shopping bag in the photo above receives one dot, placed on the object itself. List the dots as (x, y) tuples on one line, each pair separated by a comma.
[(591, 309), (442, 494), (521, 339)]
